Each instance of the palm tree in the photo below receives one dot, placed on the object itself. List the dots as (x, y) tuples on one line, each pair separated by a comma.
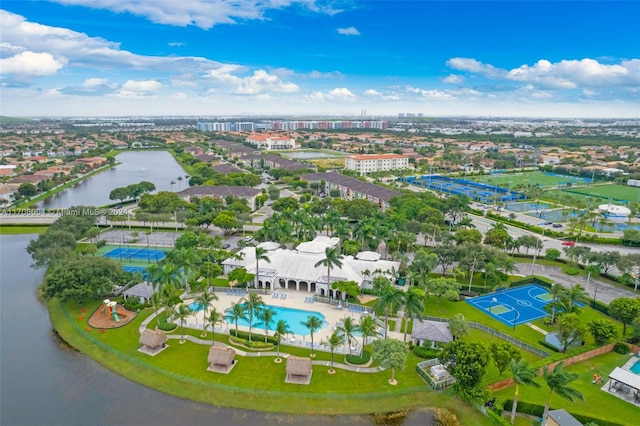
[(332, 258), (205, 300), (156, 301), (313, 323), (261, 254), (181, 314), (556, 292), (558, 382), (388, 301), (368, 328), (253, 304), (282, 330), (523, 374), (215, 318), (347, 329), (237, 312), (267, 315), (334, 341), (575, 294), (413, 306)]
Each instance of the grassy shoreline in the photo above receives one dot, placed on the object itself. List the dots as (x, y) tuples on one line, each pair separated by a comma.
[(179, 381)]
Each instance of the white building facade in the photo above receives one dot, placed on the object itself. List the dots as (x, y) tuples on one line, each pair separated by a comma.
[(271, 142), (365, 164)]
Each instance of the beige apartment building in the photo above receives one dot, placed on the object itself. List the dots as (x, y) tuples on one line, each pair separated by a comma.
[(365, 164)]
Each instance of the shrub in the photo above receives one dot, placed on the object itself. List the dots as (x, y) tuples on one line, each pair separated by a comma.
[(255, 337), (426, 353), (132, 304), (569, 270), (101, 243), (358, 360), (443, 417), (621, 348), (166, 326), (254, 344)]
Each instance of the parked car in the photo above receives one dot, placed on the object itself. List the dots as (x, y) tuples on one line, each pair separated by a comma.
[(547, 223), (226, 245), (569, 243), (557, 225), (249, 238)]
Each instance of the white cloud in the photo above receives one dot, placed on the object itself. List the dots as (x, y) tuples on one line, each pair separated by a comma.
[(453, 79), (201, 13), (141, 86), (351, 31), (30, 64), (261, 81), (175, 44), (94, 82), (566, 74), (384, 96), (337, 94), (431, 94)]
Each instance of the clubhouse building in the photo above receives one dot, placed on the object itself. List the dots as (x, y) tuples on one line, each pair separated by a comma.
[(296, 269)]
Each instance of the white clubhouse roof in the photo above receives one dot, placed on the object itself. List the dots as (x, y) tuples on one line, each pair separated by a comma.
[(301, 265), (626, 377)]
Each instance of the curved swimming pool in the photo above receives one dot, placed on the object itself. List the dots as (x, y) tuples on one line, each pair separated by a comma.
[(293, 317)]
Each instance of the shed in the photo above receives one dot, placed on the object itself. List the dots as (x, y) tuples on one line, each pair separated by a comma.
[(152, 342), (221, 359), (561, 418), (299, 370), (430, 331), (142, 291)]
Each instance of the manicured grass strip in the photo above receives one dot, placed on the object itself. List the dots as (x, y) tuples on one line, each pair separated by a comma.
[(255, 383), (15, 230)]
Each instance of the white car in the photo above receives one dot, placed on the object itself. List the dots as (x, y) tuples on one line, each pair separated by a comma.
[(247, 239)]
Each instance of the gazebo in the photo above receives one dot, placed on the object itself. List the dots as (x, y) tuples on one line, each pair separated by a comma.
[(625, 383), (299, 370), (153, 342), (143, 291), (221, 359), (430, 331)]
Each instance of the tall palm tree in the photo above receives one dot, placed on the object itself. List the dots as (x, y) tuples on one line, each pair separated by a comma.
[(368, 328), (254, 304), (558, 382), (347, 329), (261, 254), (215, 318), (237, 312), (282, 330), (267, 315), (205, 300), (575, 294), (332, 258), (336, 339), (388, 301), (413, 301), (181, 314), (313, 323), (523, 374), (556, 292), (156, 301)]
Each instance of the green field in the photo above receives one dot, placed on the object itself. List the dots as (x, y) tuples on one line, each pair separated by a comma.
[(511, 180), (606, 192)]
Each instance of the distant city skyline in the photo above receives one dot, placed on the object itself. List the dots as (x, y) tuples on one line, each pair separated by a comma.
[(561, 59)]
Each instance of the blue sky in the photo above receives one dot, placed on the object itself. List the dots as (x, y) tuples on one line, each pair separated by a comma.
[(285, 57)]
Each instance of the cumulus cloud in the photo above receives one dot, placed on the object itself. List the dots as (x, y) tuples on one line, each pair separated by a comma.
[(259, 82), (30, 64), (94, 82), (453, 79), (566, 74), (142, 85), (337, 94), (431, 94), (351, 31), (201, 13), (372, 93)]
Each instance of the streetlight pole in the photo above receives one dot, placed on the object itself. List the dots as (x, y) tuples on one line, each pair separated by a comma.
[(535, 254)]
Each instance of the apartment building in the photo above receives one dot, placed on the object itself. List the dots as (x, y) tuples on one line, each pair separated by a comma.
[(365, 164), (271, 142)]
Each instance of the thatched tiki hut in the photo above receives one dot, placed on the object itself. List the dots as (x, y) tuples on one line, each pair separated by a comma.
[(152, 341), (299, 370), (221, 359)]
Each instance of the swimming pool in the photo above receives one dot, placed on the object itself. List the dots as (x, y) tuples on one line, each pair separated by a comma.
[(196, 307), (635, 368), (293, 317)]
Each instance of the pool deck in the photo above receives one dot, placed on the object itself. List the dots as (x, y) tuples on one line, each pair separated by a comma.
[(294, 299), (633, 396)]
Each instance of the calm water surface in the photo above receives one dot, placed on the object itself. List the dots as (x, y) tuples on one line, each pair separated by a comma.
[(46, 383), (157, 167)]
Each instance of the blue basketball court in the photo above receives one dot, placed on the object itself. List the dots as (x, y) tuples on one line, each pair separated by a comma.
[(514, 306), (125, 253)]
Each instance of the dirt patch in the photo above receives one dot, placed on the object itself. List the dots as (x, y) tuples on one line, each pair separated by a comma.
[(364, 298), (99, 319)]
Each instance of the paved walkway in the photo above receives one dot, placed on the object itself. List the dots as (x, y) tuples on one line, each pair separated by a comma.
[(538, 329)]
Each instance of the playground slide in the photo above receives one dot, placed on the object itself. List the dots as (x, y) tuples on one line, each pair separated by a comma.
[(116, 317)]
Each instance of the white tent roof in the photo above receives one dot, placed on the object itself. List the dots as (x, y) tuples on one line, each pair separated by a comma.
[(269, 245), (626, 377), (368, 255)]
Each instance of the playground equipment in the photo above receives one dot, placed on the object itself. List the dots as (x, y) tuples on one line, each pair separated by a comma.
[(110, 308)]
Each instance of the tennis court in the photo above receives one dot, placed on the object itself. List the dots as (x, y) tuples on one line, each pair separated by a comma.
[(135, 253), (525, 207), (476, 191), (514, 306)]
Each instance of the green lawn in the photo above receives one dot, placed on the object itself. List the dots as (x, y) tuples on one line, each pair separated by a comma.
[(255, 383), (615, 192), (597, 404), (526, 178), (14, 230)]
